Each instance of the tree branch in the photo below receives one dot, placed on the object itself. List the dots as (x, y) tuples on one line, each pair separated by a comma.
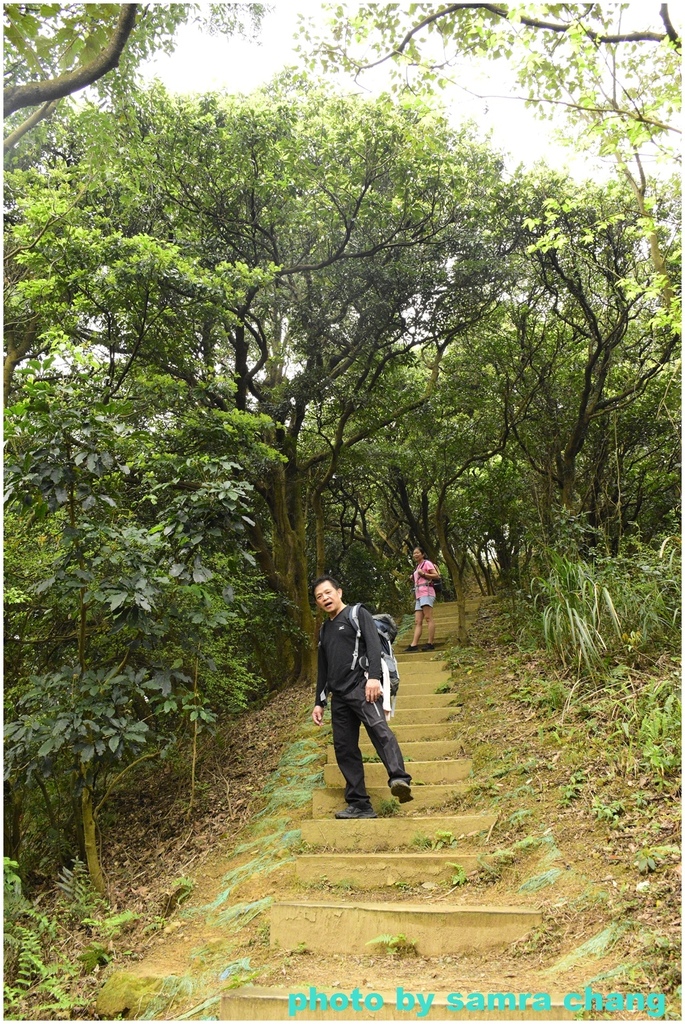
[(54, 89), (397, 414), (558, 27), (668, 25), (38, 115), (145, 757)]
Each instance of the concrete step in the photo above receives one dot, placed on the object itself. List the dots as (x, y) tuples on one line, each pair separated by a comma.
[(422, 715), (450, 607), (429, 731), (401, 657), (327, 801), (435, 772), (451, 698), (429, 688), (421, 750), (426, 700), (397, 833), (443, 624), (450, 611), (249, 1003), (415, 673), (437, 930), (424, 686), (452, 617), (374, 870)]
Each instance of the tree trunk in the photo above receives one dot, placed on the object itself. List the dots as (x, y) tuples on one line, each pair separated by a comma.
[(16, 351), (13, 809), (290, 561), (90, 841), (33, 93), (457, 577), (566, 465), (476, 569), (320, 533)]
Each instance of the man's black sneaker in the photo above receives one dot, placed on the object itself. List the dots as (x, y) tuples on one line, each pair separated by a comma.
[(401, 789), (352, 811), (428, 647), (411, 648)]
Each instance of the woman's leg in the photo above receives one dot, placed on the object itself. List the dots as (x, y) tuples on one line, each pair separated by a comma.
[(428, 614), (418, 627)]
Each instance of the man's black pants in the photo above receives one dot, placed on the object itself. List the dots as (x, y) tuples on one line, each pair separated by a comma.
[(348, 711)]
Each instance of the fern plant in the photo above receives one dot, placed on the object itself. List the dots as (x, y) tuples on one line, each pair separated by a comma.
[(112, 926), (34, 969), (94, 955), (395, 945), (80, 900)]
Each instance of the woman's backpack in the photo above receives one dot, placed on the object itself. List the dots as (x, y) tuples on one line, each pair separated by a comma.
[(436, 584)]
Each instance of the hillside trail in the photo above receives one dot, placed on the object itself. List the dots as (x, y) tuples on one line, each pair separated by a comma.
[(482, 898)]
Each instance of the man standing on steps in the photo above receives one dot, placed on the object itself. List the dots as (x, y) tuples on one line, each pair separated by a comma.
[(354, 683)]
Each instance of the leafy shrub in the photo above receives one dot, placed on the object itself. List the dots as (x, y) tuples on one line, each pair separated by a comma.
[(573, 788), (458, 876), (608, 812), (659, 736)]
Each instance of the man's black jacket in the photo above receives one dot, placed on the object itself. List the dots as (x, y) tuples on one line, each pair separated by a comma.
[(336, 652)]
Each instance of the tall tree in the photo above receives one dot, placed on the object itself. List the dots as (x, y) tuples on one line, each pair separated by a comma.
[(591, 334), (336, 208), (602, 62)]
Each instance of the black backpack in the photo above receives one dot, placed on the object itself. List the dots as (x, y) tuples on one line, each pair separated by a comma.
[(436, 584)]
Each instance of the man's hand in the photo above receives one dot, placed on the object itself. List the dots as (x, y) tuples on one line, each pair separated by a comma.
[(317, 715), (373, 690)]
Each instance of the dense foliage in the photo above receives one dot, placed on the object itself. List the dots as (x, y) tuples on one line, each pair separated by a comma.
[(251, 339)]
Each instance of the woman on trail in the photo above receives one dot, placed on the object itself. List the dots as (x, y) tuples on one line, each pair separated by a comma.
[(424, 591)]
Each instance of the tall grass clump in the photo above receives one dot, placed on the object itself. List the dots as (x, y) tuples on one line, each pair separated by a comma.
[(614, 625), (620, 610)]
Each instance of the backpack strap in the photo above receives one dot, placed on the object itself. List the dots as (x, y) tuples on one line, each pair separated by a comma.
[(353, 615)]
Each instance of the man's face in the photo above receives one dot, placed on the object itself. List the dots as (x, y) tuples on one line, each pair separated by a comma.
[(328, 598)]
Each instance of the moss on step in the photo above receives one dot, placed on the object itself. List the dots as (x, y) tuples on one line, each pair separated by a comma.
[(132, 997)]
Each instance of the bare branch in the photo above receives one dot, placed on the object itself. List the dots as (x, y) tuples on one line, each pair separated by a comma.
[(145, 757)]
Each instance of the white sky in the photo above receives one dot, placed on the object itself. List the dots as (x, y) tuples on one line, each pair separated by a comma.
[(203, 63)]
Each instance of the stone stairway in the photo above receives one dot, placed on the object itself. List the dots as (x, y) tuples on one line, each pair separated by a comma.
[(395, 850)]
